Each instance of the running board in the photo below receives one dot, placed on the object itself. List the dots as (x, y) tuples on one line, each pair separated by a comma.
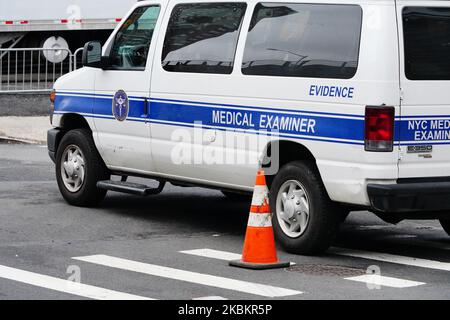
[(130, 188)]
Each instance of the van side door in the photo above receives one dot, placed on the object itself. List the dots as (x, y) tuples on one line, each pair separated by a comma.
[(193, 88), (122, 91)]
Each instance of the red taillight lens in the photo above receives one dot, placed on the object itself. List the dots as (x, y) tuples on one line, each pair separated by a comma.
[(380, 129)]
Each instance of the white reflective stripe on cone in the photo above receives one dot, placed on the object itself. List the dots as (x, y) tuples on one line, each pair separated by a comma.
[(260, 220), (260, 193)]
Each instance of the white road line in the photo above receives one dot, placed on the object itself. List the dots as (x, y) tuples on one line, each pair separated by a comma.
[(216, 254), (211, 298), (188, 276), (385, 281), (61, 285), (213, 254), (386, 257)]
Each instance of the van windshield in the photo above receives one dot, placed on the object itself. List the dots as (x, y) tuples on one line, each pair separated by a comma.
[(130, 49), (427, 43)]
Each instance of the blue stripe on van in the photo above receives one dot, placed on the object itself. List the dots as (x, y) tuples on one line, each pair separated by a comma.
[(327, 126), (295, 124), (331, 127)]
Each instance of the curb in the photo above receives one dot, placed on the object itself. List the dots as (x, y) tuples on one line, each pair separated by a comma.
[(11, 140)]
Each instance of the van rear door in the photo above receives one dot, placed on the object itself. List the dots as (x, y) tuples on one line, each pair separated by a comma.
[(424, 124)]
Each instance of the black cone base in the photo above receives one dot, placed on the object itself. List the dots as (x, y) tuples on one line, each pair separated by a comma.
[(259, 266)]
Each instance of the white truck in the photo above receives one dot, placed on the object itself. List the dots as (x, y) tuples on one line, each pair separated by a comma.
[(58, 23)]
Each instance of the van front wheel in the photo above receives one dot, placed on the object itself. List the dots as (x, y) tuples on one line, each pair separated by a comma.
[(445, 225), (305, 220), (78, 169)]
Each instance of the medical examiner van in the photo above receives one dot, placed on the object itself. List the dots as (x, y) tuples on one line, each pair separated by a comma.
[(345, 104)]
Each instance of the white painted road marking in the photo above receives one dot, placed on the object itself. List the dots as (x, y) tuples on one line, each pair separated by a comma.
[(61, 285), (385, 281), (386, 257), (188, 276), (213, 254), (216, 254), (211, 298)]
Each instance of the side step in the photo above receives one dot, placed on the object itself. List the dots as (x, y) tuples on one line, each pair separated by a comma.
[(130, 188)]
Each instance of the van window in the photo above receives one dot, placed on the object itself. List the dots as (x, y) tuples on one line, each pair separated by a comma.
[(427, 43), (303, 40), (132, 42), (202, 38)]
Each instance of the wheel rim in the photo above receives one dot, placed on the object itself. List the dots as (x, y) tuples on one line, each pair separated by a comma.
[(73, 168), (292, 206)]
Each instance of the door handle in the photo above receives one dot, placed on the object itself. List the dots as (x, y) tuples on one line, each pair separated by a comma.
[(146, 108), (209, 136)]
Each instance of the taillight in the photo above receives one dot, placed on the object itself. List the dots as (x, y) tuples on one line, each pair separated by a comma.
[(379, 129)]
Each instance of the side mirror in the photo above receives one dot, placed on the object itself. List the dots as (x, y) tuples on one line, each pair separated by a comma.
[(92, 55)]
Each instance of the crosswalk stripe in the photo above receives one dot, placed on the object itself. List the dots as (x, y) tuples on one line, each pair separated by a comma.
[(188, 276), (212, 298), (386, 257), (213, 254), (385, 281), (216, 254), (61, 285)]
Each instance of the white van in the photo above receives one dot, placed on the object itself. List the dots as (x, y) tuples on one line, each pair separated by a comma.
[(345, 104)]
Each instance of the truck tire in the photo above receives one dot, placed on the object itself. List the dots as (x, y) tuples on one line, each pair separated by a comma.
[(445, 225), (78, 169), (305, 220)]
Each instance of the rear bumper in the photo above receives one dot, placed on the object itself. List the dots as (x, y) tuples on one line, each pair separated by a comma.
[(53, 139), (410, 197)]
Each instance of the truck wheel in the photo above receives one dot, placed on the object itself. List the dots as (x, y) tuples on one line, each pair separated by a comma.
[(78, 169), (305, 220), (445, 225)]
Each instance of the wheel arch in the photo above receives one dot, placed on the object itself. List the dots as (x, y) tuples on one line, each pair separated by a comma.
[(70, 121), (288, 151)]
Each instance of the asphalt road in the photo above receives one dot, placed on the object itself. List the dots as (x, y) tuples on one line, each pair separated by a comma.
[(40, 235)]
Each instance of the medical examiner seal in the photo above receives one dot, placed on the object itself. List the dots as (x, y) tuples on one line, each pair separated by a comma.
[(120, 105)]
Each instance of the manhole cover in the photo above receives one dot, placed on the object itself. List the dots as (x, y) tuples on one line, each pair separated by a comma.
[(425, 228), (327, 270)]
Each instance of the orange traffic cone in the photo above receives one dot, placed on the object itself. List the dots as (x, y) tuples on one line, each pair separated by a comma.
[(259, 246)]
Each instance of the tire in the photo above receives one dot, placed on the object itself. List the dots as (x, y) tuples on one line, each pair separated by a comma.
[(445, 225), (234, 196), (344, 213), (321, 225), (85, 193)]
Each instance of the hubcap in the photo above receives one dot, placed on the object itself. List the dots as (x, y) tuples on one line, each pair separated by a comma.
[(292, 208), (73, 168)]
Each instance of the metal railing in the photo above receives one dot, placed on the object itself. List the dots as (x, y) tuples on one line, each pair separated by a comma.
[(32, 69), (77, 57)]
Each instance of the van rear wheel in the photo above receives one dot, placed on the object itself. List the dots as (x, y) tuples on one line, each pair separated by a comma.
[(445, 223), (78, 169), (305, 220)]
